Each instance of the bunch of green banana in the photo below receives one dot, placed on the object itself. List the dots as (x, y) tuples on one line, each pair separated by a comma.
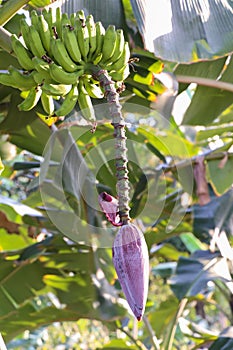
[(75, 42), (57, 53)]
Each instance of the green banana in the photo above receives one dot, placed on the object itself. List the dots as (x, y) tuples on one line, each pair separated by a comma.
[(71, 43), (69, 102), (36, 45), (34, 18), (31, 100), (58, 74), (42, 73), (85, 103), (61, 55), (123, 60), (24, 28), (47, 103), (42, 77), (23, 55), (65, 20), (58, 22), (120, 40), (100, 32), (83, 38), (92, 35), (17, 80), (121, 74), (44, 33), (23, 82), (40, 65), (72, 18), (109, 43), (92, 89), (8, 80), (56, 89), (81, 16), (49, 16)]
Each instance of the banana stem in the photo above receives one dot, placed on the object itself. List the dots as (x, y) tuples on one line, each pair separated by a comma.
[(118, 123)]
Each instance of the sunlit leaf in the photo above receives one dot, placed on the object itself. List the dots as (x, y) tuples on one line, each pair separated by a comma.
[(40, 3), (193, 273), (178, 31), (168, 143), (216, 213), (209, 102), (191, 242), (206, 69), (26, 130), (118, 344), (221, 177), (162, 316), (1, 167)]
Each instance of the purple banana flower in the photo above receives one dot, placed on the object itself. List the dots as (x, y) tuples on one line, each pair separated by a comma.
[(131, 261)]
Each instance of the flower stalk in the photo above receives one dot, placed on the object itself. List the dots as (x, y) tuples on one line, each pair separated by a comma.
[(118, 123)]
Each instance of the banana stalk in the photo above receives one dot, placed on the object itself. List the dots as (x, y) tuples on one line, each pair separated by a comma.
[(118, 122)]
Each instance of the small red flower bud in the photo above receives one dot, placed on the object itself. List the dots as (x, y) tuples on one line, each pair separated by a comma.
[(131, 261)]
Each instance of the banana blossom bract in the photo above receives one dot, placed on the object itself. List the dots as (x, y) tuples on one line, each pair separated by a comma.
[(131, 261)]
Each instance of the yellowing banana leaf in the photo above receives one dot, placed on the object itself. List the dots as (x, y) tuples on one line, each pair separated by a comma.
[(40, 3)]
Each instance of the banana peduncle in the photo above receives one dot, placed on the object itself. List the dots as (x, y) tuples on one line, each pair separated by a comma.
[(118, 123)]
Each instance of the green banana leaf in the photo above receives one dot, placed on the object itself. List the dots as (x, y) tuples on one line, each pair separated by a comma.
[(40, 3), (224, 341), (25, 129), (177, 30), (205, 266), (47, 266), (106, 11), (209, 102)]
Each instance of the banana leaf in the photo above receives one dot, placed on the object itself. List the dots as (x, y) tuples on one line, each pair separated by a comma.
[(185, 30)]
